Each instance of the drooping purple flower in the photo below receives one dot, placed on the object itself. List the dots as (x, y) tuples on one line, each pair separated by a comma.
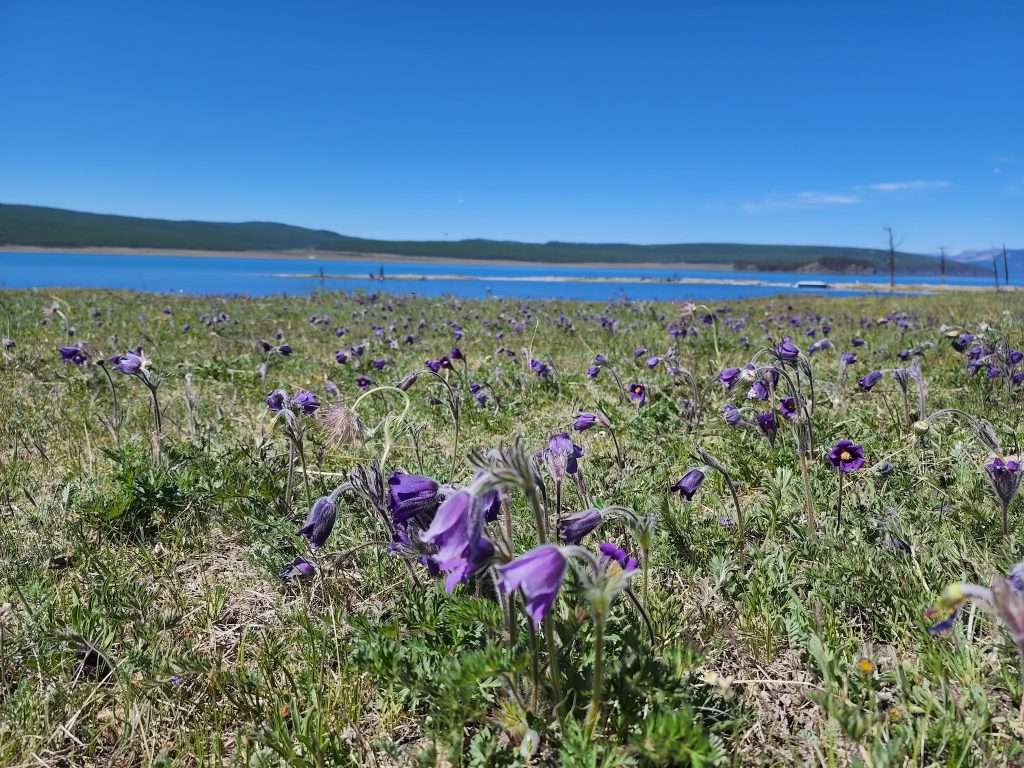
[(285, 349), (319, 522), (585, 420), (732, 415), (857, 341), (299, 568), (129, 363), (614, 554), (639, 351), (341, 356), (846, 456), (847, 358), (407, 381), (768, 425), (688, 485), (434, 365), (787, 350), (561, 456), (379, 363), (638, 393), (653, 362), (542, 369), (539, 574), (276, 400), (868, 380), (306, 401), (572, 528), (457, 532), (729, 376), (758, 391), (411, 496), (1004, 476), (593, 371), (456, 354), (73, 354), (787, 407)]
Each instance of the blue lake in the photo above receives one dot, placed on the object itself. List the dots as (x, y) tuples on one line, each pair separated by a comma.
[(263, 277)]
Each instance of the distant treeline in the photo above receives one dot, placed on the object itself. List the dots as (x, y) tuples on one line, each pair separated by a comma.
[(59, 228)]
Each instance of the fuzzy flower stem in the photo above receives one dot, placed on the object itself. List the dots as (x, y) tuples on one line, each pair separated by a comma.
[(554, 668), (839, 504), (113, 396), (805, 476), (597, 679)]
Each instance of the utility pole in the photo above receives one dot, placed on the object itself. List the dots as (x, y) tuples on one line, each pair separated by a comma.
[(1006, 267), (942, 263), (892, 258)]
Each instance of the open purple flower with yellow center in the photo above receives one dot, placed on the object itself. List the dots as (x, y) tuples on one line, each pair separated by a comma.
[(411, 496), (306, 401), (846, 456), (868, 380), (364, 382), (638, 393), (688, 485), (729, 377), (561, 456), (572, 528), (457, 532), (319, 522), (614, 554), (788, 408), (539, 574), (276, 400)]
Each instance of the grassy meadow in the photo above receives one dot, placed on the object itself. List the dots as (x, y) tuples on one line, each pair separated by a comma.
[(160, 606)]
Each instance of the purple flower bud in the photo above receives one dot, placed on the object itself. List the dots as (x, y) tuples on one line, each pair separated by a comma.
[(129, 363), (411, 496), (341, 356), (1004, 477), (729, 377), (787, 350), (407, 382), (848, 358), (572, 528), (592, 371), (768, 425), (869, 380), (319, 523), (543, 370), (285, 349), (73, 355), (561, 456), (689, 484), (787, 407), (758, 391), (732, 415), (614, 554), (584, 421), (299, 568)]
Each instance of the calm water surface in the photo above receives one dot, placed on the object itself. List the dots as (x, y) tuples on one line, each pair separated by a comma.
[(263, 277)]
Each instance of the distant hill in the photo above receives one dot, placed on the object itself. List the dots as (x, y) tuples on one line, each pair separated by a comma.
[(57, 228), (983, 258)]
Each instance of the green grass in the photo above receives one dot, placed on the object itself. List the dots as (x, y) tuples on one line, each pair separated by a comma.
[(59, 228), (145, 622)]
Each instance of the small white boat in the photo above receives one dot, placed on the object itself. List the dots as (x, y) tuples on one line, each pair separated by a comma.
[(815, 284)]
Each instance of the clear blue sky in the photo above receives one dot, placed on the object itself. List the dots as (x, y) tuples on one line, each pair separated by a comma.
[(747, 121)]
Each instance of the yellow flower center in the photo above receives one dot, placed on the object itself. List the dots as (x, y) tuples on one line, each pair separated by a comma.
[(845, 455)]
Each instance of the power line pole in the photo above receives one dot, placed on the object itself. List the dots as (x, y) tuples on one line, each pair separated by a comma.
[(892, 258)]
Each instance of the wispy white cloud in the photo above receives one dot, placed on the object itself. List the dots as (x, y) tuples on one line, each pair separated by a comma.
[(913, 184), (801, 200)]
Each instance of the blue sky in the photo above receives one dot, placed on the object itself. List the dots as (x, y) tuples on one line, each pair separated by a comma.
[(678, 122)]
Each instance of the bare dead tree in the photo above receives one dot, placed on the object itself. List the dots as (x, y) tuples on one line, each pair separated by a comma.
[(892, 256), (995, 270), (1006, 267), (942, 263)]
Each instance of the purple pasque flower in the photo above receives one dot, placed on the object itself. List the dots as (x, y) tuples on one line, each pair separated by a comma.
[(7, 343), (276, 400), (585, 420), (758, 391), (847, 358), (688, 485), (319, 522), (788, 408), (379, 363), (768, 425), (539, 574), (73, 354), (868, 380), (457, 532), (299, 568), (341, 356), (306, 401), (653, 362), (1004, 476), (285, 350), (593, 371), (561, 456), (411, 496), (130, 363), (456, 354), (857, 341), (729, 376), (732, 415), (639, 352), (638, 393), (787, 350), (433, 365), (572, 528), (542, 369), (614, 554), (846, 456), (364, 382)]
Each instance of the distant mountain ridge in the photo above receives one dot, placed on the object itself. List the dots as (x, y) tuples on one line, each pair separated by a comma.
[(55, 228), (985, 256)]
